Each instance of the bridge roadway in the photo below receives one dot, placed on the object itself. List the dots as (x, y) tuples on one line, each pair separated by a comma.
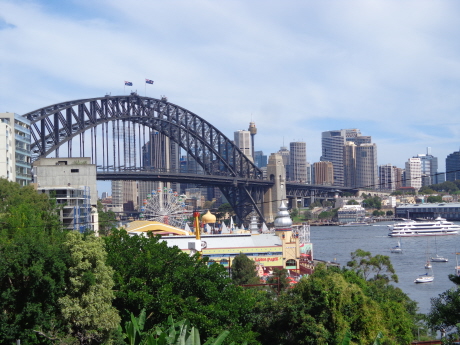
[(293, 190)]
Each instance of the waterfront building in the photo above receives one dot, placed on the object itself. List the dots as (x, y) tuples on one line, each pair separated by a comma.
[(244, 143), (279, 250), (429, 165), (413, 177), (298, 161), (449, 211), (72, 182), (453, 166), (351, 213), (324, 173), (15, 155)]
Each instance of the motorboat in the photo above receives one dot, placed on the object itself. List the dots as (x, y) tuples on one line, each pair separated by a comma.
[(428, 265), (437, 227), (424, 278)]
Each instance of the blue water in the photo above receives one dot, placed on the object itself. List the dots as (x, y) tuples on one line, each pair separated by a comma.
[(334, 243)]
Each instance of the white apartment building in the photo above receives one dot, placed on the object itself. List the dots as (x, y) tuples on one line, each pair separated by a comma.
[(414, 173), (15, 156), (387, 175)]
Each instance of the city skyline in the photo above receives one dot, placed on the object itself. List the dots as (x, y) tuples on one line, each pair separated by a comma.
[(390, 69)]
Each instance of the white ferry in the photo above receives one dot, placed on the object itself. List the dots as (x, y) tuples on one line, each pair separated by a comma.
[(409, 228)]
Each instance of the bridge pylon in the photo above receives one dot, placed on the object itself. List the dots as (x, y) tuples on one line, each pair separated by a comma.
[(276, 172)]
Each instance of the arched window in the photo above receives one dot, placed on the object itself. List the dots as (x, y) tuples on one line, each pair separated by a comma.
[(291, 262)]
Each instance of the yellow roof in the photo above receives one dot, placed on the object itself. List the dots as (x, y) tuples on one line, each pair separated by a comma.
[(141, 226)]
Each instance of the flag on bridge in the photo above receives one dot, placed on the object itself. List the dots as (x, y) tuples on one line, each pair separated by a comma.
[(128, 83), (148, 81)]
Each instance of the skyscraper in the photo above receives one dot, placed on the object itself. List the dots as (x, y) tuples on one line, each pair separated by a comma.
[(324, 173), (429, 165), (260, 160), (366, 166), (243, 141), (349, 164), (453, 166), (414, 173), (298, 161), (332, 143)]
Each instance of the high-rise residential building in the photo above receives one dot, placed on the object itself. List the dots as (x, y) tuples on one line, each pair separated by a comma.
[(387, 177), (399, 177), (366, 166), (15, 155), (243, 141), (324, 173), (332, 143), (453, 166), (260, 160), (298, 161), (414, 173), (286, 156), (429, 165)]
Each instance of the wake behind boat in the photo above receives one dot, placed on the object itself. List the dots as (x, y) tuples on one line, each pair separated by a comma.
[(409, 228)]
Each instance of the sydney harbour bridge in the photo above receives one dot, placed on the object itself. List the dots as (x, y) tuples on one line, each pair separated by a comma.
[(113, 131)]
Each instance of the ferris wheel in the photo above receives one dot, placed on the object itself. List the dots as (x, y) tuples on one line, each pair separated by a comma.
[(165, 206)]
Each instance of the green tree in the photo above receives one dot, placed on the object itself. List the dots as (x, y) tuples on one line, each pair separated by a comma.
[(244, 270), (352, 202), (32, 264), (434, 198), (363, 263), (87, 305), (279, 277), (107, 220), (445, 311), (389, 213), (166, 281)]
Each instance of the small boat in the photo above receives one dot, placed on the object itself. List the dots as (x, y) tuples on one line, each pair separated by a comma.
[(356, 224), (397, 248), (438, 258), (424, 278)]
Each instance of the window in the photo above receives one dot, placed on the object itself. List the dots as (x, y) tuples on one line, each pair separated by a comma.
[(74, 170)]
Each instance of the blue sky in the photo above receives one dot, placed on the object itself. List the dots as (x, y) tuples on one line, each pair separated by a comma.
[(298, 68)]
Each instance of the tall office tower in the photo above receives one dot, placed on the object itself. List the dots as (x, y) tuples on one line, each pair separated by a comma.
[(253, 130), (260, 160), (298, 161), (366, 166), (349, 164), (387, 177), (429, 167), (332, 143), (15, 155), (163, 155), (399, 177), (453, 166), (286, 157), (414, 173), (243, 141), (324, 173), (309, 173)]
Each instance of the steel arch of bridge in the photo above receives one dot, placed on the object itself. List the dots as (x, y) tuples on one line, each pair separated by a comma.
[(59, 124)]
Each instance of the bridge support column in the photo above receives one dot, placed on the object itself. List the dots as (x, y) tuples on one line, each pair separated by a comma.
[(276, 172)]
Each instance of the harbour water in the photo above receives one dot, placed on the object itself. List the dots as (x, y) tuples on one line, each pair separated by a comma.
[(335, 243)]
